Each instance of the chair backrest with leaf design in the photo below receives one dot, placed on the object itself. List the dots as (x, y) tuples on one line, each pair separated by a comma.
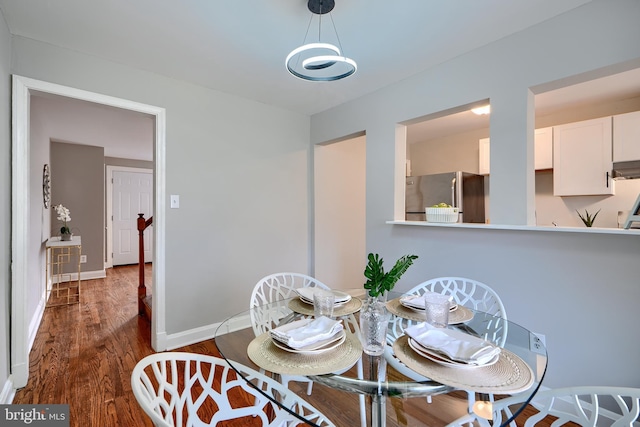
[(468, 292), (473, 294), (586, 406), (273, 288), (192, 390)]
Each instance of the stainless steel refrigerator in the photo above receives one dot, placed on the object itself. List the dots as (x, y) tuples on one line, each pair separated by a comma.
[(459, 189)]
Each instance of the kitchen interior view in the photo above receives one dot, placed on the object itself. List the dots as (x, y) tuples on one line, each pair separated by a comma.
[(583, 133)]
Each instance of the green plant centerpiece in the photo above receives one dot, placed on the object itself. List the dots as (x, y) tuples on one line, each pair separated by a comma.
[(378, 282), (374, 317), (588, 219)]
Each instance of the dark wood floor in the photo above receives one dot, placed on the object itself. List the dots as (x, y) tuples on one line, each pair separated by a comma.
[(83, 355)]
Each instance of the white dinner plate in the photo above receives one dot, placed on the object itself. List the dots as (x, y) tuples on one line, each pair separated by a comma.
[(306, 296), (317, 347), (407, 302), (337, 304), (442, 359)]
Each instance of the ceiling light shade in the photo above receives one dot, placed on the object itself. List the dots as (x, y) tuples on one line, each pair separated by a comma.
[(320, 61), (482, 111), (483, 408)]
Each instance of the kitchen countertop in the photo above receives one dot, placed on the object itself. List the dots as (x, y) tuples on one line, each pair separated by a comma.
[(630, 232)]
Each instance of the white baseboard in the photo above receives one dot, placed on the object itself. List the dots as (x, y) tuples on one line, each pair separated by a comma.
[(84, 275), (204, 333), (34, 324), (8, 392), (97, 274)]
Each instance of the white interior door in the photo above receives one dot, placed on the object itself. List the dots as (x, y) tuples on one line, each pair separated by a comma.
[(132, 194)]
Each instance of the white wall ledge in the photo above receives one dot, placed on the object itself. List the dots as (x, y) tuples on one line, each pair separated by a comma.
[(596, 230)]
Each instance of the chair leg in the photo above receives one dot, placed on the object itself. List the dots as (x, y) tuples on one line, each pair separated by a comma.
[(309, 387), (260, 384)]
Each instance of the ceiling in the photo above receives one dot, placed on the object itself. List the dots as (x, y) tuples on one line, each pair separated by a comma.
[(240, 46)]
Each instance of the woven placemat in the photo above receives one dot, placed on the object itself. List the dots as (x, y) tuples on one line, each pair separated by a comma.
[(510, 374), (266, 355), (350, 307), (459, 315)]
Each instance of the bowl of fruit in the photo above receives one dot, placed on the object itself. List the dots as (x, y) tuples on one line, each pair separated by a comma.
[(442, 212)]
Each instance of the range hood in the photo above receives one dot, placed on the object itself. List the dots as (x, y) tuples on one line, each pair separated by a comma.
[(626, 170)]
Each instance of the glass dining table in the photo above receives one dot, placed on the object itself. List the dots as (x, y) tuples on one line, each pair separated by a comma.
[(397, 383)]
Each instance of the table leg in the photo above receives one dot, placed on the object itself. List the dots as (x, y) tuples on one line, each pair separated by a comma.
[(377, 372)]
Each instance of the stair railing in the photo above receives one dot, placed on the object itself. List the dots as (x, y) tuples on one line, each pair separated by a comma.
[(142, 289)]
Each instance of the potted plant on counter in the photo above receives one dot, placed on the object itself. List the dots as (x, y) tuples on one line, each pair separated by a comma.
[(374, 317), (588, 219)]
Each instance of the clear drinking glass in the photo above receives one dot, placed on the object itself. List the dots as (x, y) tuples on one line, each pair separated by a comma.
[(436, 308), (323, 303)]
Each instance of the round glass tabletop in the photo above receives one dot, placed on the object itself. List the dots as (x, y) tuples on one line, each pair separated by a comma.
[(396, 382)]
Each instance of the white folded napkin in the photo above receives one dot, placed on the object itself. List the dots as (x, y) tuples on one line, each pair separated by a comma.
[(305, 332), (453, 343), (307, 293), (417, 302)]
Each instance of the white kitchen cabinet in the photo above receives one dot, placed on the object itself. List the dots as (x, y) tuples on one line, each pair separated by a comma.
[(543, 148), (543, 151), (582, 158), (484, 158), (626, 137)]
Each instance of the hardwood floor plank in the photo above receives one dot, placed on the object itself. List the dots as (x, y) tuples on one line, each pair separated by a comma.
[(83, 354)]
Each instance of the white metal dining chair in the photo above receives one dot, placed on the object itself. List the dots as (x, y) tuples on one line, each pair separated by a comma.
[(265, 315), (587, 406), (180, 389), (468, 292)]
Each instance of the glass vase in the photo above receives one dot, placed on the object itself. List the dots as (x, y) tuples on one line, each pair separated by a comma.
[(374, 321)]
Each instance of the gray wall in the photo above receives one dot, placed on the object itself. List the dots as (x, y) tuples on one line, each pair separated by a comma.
[(5, 202), (77, 182), (581, 290)]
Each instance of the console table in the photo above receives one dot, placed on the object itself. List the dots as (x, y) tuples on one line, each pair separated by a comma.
[(63, 284)]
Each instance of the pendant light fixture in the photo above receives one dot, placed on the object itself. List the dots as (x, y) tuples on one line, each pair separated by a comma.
[(320, 61), (483, 407)]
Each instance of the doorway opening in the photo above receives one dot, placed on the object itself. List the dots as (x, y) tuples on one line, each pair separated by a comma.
[(340, 211), (22, 320)]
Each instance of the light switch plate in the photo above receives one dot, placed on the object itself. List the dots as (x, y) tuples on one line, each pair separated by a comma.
[(175, 201)]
